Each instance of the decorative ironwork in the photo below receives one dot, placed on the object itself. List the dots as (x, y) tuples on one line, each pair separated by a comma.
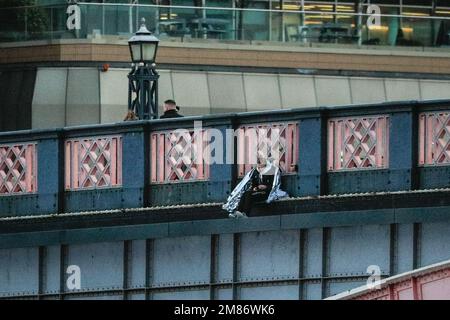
[(178, 156), (93, 163), (434, 138), (277, 142), (18, 169), (358, 143), (143, 78), (143, 92)]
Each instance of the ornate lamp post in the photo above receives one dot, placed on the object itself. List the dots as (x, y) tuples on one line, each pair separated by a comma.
[(143, 78)]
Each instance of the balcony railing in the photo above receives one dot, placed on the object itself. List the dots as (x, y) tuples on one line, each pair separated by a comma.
[(292, 25)]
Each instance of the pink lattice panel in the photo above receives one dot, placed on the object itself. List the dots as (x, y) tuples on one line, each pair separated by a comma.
[(358, 143), (178, 156), (18, 169), (275, 141), (434, 138), (93, 163)]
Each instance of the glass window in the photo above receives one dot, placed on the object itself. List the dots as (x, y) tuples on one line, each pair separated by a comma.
[(442, 8)]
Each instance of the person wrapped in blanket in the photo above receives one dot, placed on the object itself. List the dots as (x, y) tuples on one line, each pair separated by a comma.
[(260, 184)]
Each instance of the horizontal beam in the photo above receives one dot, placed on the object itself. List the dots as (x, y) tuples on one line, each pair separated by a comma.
[(222, 226), (268, 55), (377, 209)]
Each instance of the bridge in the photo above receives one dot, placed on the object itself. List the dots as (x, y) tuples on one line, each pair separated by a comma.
[(428, 283), (128, 206)]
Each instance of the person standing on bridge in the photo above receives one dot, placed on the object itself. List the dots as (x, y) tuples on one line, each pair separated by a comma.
[(171, 110)]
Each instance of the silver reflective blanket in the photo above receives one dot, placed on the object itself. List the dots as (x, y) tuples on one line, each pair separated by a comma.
[(235, 197), (276, 193)]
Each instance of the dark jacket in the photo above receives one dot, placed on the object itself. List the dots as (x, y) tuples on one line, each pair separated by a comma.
[(258, 179), (171, 114)]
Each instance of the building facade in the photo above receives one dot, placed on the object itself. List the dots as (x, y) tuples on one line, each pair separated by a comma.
[(404, 23)]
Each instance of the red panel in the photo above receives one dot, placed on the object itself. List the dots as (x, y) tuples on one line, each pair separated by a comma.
[(168, 163), (18, 169), (67, 172), (241, 151), (113, 156), (420, 285), (434, 138), (295, 150), (251, 135), (93, 162), (435, 285), (279, 140), (178, 157), (291, 146), (198, 142), (383, 294), (338, 152), (358, 142), (436, 290), (422, 139), (429, 141), (119, 162), (404, 291), (160, 157), (379, 147), (75, 164), (153, 155), (406, 294), (206, 168), (331, 149), (30, 153)]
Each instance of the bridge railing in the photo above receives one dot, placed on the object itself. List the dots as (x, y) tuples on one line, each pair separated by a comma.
[(427, 283), (350, 149)]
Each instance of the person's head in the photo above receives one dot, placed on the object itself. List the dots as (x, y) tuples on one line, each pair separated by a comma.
[(130, 116), (170, 105), (261, 164)]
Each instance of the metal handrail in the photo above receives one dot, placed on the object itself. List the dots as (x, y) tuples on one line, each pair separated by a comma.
[(334, 13), (357, 14)]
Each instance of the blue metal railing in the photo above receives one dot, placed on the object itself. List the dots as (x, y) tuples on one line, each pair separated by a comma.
[(402, 172)]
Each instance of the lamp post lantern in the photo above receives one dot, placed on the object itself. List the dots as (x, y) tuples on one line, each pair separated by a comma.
[(143, 78)]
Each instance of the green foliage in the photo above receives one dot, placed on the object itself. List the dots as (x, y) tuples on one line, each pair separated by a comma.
[(14, 20), (16, 3)]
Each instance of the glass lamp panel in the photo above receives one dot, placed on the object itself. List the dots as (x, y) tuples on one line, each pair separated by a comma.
[(136, 52), (149, 50)]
